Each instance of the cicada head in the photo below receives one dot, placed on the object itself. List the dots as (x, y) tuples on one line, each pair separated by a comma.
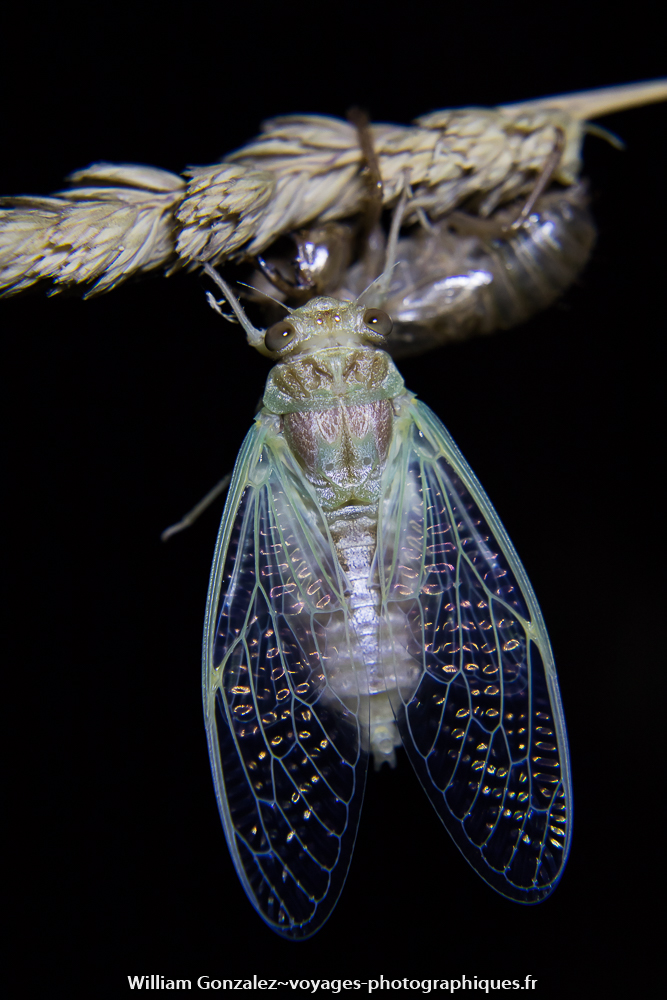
[(315, 326), (323, 323)]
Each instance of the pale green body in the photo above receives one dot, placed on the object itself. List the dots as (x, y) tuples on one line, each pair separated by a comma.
[(340, 409), (364, 595)]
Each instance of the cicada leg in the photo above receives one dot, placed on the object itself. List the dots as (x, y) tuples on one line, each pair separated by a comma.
[(189, 519)]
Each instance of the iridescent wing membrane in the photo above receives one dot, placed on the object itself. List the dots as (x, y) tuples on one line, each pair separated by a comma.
[(484, 730), (483, 727), (288, 757)]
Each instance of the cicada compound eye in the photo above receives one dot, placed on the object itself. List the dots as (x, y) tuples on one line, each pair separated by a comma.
[(378, 321), (279, 336)]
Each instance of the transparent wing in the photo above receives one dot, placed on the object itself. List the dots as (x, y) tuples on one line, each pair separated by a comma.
[(289, 756), (484, 729)]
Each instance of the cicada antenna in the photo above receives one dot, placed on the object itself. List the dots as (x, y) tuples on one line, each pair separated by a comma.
[(381, 283), (260, 291), (254, 335)]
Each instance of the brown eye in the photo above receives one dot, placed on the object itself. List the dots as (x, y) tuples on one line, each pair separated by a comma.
[(278, 336), (378, 321)]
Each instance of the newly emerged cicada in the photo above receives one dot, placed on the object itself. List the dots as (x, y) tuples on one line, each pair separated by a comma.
[(364, 595)]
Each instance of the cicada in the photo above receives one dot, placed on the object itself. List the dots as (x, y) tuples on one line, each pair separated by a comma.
[(364, 595)]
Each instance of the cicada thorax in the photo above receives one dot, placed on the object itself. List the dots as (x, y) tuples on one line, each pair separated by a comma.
[(338, 420)]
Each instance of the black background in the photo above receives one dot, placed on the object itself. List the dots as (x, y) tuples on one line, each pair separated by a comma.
[(124, 410)]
